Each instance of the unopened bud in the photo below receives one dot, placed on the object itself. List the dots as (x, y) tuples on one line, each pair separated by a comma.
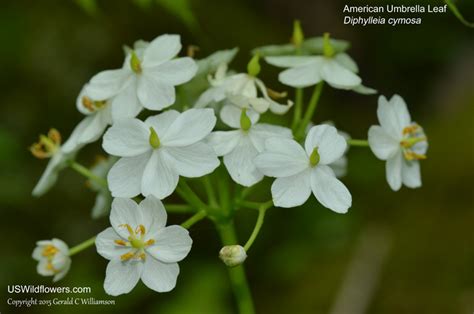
[(328, 49), (253, 67), (233, 255), (298, 36)]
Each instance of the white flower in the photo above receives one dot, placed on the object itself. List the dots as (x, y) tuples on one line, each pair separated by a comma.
[(103, 200), (147, 78), (53, 258), (399, 141), (233, 255), (337, 69), (240, 147), (242, 90), (98, 116), (156, 152), (139, 246), (50, 147), (300, 171)]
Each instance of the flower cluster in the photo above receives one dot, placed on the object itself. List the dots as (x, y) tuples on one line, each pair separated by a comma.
[(153, 150)]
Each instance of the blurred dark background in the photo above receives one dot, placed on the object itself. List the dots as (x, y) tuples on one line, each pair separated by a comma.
[(406, 252)]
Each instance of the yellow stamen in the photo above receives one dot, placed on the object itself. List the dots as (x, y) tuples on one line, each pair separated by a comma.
[(142, 256), (120, 242), (129, 228), (410, 129), (191, 50), (276, 95), (46, 145), (49, 250), (410, 155), (49, 266), (140, 230), (150, 242), (127, 256)]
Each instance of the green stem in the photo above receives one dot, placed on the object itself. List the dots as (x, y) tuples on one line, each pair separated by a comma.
[(298, 109), (82, 246), (211, 195), (313, 103), (458, 14), (179, 208), (258, 225), (185, 191), (359, 143), (237, 275), (194, 219), (87, 173)]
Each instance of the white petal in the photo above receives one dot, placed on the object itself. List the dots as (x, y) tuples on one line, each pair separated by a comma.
[(240, 163), (259, 133), (154, 215), (96, 125), (213, 94), (72, 145), (338, 76), (126, 103), (190, 127), (125, 176), (331, 146), (274, 107), (64, 270), (329, 191), (122, 277), (175, 72), (194, 160), (160, 277), (106, 247), (107, 84), (282, 158), (292, 191), (346, 61), (50, 175), (154, 94), (291, 61), (411, 174), (61, 245), (401, 109), (124, 211), (102, 205), (172, 244), (301, 76), (364, 90), (392, 117), (393, 171), (162, 122), (230, 115), (382, 144), (339, 167), (127, 138), (223, 142), (161, 49), (160, 177)]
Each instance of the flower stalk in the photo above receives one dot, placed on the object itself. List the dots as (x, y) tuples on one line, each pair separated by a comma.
[(87, 173), (82, 246), (313, 103)]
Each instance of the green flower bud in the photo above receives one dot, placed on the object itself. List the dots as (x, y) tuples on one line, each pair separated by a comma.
[(233, 255), (154, 139), (328, 49), (253, 67), (314, 158), (245, 122), (135, 63), (298, 36)]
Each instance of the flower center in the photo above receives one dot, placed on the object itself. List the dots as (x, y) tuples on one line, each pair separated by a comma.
[(46, 146), (413, 134), (135, 63), (298, 36), (154, 139), (245, 122), (136, 242), (328, 49), (253, 67), (314, 158), (93, 105), (49, 251)]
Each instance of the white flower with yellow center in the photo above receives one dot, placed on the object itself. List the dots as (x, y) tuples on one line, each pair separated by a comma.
[(156, 152), (49, 146), (140, 246), (53, 258), (300, 171), (146, 80), (240, 147), (243, 90), (399, 141), (337, 69)]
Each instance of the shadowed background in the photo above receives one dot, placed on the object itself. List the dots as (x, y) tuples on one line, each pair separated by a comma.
[(405, 252)]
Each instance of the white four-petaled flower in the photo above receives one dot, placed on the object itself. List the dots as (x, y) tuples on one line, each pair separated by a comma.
[(53, 258), (300, 171), (140, 246), (240, 147), (147, 78), (156, 152), (399, 141)]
